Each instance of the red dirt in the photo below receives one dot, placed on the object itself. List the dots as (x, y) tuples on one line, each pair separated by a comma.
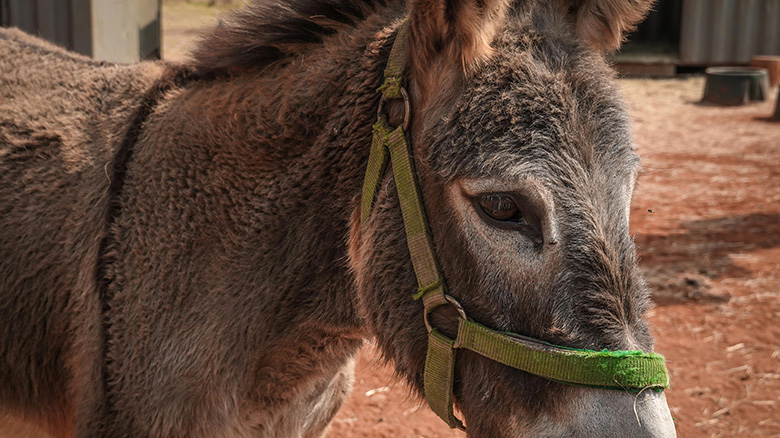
[(706, 216)]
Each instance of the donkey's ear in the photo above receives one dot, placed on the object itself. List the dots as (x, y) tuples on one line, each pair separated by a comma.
[(604, 23), (451, 34)]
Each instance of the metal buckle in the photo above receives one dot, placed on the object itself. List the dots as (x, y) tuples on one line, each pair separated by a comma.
[(407, 108), (455, 304)]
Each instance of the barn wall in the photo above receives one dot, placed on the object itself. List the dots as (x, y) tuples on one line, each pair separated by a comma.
[(661, 27), (728, 31), (49, 19)]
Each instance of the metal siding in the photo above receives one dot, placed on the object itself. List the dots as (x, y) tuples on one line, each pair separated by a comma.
[(63, 32), (45, 20), (728, 31), (49, 19), (770, 44), (23, 15), (662, 24), (81, 17)]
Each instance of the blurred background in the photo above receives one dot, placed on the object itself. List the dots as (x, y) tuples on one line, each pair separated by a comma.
[(678, 36), (705, 216)]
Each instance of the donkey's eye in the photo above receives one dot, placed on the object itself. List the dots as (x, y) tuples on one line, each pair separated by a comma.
[(509, 211), (500, 207)]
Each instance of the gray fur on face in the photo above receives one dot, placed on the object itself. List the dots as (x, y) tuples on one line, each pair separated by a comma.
[(545, 108)]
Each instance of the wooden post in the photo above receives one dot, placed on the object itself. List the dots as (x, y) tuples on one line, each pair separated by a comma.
[(771, 64)]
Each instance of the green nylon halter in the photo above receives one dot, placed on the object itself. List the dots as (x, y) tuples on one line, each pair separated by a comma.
[(626, 370)]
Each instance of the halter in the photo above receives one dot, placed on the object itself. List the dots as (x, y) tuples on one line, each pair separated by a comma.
[(623, 370)]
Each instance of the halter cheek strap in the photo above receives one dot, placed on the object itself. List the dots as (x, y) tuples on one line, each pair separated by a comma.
[(626, 370)]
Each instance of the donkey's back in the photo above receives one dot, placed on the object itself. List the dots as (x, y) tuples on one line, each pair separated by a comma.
[(62, 119)]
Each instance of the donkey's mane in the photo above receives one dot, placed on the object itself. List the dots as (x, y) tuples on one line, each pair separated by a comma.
[(268, 31)]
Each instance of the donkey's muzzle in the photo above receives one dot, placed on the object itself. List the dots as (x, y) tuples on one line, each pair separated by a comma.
[(604, 413)]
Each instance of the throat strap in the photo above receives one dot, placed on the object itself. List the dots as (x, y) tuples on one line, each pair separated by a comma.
[(389, 145)]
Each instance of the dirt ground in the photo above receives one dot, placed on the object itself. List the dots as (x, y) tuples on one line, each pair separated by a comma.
[(706, 218), (182, 20)]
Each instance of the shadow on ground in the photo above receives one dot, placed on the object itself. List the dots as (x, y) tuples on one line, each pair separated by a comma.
[(681, 266)]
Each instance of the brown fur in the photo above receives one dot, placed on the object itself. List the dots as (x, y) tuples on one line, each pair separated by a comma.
[(181, 254), (604, 23), (444, 34)]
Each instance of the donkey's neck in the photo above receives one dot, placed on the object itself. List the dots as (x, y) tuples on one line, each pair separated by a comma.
[(288, 147), (244, 188)]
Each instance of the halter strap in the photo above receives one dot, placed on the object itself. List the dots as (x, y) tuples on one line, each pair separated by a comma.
[(389, 142), (627, 370)]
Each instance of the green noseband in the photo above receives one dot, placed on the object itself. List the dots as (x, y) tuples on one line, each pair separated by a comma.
[(626, 370)]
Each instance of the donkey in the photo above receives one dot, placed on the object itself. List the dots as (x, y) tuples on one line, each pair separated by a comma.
[(183, 253)]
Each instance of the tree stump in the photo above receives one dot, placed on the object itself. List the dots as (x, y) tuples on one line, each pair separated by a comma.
[(735, 85), (772, 66)]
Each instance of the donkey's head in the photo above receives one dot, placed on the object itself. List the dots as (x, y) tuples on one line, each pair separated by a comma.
[(524, 155)]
